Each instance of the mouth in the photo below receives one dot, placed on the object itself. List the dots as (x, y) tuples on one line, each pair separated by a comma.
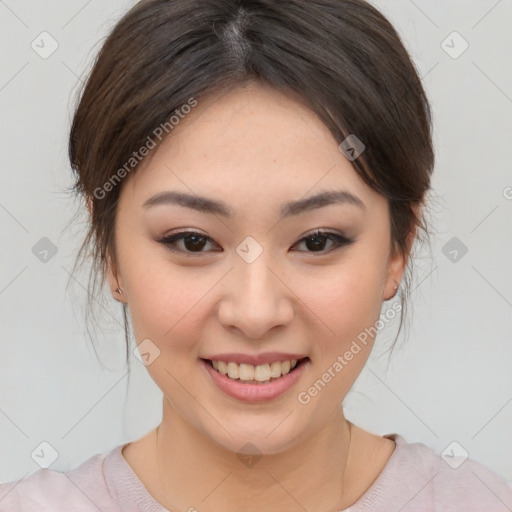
[(239, 383), (260, 374)]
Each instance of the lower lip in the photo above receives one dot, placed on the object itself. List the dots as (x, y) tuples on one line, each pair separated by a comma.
[(255, 392)]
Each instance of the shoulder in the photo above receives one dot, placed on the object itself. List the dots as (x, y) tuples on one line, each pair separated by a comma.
[(425, 480), (81, 489)]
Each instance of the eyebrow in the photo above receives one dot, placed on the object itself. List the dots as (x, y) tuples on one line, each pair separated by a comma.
[(208, 205)]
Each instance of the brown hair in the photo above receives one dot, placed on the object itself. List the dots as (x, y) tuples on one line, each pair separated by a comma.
[(341, 57)]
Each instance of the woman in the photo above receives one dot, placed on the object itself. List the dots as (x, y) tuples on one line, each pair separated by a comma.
[(256, 174)]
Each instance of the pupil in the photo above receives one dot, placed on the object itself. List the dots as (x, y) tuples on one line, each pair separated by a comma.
[(194, 244), (316, 244)]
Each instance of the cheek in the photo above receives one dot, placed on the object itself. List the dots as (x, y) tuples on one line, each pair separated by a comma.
[(163, 297), (344, 304), (345, 308), (165, 306), (347, 293)]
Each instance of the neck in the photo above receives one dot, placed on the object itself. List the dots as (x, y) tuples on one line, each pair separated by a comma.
[(195, 471)]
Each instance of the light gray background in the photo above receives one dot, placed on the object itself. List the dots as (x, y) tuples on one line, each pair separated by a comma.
[(452, 381)]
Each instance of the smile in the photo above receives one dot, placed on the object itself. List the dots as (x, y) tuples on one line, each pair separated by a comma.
[(249, 388), (254, 374)]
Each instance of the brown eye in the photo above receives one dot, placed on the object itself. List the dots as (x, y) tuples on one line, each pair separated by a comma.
[(193, 242), (317, 240)]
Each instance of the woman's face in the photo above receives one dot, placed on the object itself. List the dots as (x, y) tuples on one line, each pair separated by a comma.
[(254, 282)]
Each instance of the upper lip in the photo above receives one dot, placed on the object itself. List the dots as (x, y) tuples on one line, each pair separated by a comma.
[(267, 357)]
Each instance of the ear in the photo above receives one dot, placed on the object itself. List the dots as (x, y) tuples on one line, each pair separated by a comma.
[(396, 268), (398, 261), (111, 272), (114, 282)]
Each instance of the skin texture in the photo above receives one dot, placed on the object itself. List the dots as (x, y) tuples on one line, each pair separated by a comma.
[(253, 148)]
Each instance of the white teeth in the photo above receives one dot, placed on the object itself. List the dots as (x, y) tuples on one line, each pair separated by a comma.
[(223, 367), (258, 373), (246, 372), (232, 370), (275, 369), (262, 372)]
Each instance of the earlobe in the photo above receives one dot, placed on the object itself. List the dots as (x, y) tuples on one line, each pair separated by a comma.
[(118, 295), (113, 282), (391, 288), (396, 269), (397, 284)]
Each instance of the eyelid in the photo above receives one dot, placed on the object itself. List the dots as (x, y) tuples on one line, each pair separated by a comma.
[(341, 240)]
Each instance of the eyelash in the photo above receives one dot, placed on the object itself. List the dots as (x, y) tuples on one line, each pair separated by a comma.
[(340, 241)]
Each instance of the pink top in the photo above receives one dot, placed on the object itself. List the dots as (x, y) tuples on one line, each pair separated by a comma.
[(415, 479)]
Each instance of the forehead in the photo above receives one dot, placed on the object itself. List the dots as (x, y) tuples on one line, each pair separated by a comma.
[(254, 141)]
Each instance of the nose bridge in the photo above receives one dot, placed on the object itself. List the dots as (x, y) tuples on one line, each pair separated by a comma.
[(252, 268), (257, 300), (257, 280)]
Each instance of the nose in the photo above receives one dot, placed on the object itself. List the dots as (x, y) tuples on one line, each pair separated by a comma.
[(256, 298)]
